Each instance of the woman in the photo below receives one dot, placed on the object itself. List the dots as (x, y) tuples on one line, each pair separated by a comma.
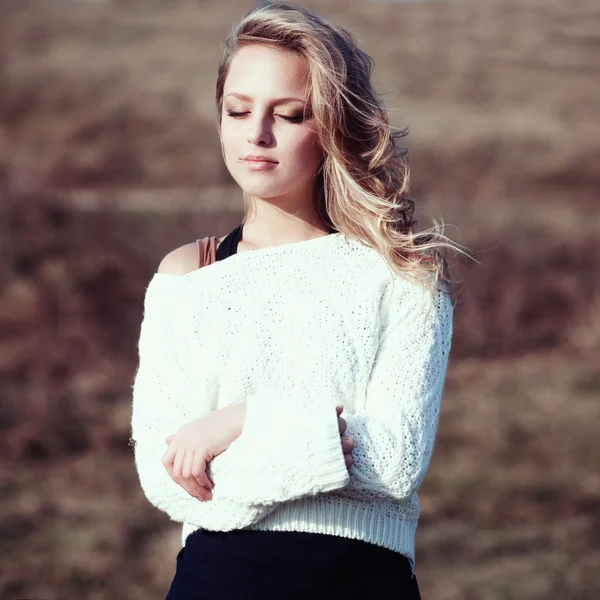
[(324, 299)]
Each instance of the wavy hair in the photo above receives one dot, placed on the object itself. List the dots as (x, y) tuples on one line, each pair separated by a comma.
[(362, 183)]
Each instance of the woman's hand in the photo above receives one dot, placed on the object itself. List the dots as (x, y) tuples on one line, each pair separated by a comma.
[(196, 443), (347, 440)]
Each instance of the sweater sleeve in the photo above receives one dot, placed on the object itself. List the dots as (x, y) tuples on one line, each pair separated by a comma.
[(267, 464), (160, 390), (282, 453), (394, 432)]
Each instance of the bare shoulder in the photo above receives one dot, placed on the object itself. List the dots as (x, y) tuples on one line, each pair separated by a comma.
[(180, 261)]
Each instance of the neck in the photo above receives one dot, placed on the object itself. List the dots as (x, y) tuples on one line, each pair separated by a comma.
[(271, 225)]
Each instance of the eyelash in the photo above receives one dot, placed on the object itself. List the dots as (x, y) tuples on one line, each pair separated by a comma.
[(295, 119)]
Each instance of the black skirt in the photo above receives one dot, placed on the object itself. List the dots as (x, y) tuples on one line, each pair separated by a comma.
[(288, 565)]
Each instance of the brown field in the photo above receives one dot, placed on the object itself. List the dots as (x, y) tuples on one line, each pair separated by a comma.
[(109, 158)]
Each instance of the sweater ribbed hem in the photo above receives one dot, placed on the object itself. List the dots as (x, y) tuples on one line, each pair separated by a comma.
[(345, 517)]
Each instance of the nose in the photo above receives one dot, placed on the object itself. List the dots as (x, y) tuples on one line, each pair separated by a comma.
[(259, 133)]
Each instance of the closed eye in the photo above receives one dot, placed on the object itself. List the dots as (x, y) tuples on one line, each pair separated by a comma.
[(290, 119)]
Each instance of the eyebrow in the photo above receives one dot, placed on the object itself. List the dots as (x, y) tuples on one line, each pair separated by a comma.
[(275, 101)]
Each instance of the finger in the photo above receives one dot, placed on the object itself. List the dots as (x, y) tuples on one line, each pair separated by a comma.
[(169, 439), (190, 484), (169, 463), (348, 460), (198, 469), (347, 444), (186, 469), (193, 486), (168, 456), (339, 409), (169, 468), (341, 424), (203, 478), (199, 472), (178, 465), (203, 494), (174, 466)]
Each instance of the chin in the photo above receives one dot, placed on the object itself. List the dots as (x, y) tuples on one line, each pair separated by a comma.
[(267, 190)]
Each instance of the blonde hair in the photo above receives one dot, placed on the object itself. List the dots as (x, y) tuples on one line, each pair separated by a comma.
[(362, 183)]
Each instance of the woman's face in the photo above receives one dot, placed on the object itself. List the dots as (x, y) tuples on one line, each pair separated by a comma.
[(263, 101)]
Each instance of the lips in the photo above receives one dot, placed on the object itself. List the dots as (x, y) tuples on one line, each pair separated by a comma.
[(259, 159), (259, 165)]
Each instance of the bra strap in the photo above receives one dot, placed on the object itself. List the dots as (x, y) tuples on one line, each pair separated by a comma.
[(207, 251)]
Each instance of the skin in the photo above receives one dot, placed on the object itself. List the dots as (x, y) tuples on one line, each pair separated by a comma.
[(255, 122)]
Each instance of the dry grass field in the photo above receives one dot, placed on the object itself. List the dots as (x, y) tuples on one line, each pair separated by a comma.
[(109, 158)]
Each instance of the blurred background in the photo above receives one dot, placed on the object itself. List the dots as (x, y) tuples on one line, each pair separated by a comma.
[(109, 158)]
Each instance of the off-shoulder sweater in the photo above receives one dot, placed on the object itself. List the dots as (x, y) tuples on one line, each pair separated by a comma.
[(294, 330)]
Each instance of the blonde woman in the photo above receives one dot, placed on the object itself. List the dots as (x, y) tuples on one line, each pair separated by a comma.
[(287, 395)]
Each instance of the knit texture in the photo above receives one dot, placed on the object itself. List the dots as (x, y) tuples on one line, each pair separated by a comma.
[(294, 330)]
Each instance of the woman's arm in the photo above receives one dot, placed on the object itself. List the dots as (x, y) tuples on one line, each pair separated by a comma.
[(394, 433), (279, 455), (162, 391), (196, 443)]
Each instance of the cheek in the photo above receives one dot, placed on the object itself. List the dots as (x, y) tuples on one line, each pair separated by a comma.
[(307, 150), (227, 140)]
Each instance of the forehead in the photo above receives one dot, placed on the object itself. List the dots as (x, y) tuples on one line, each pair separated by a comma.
[(262, 72)]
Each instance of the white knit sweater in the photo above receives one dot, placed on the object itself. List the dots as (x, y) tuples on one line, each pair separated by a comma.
[(294, 330)]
